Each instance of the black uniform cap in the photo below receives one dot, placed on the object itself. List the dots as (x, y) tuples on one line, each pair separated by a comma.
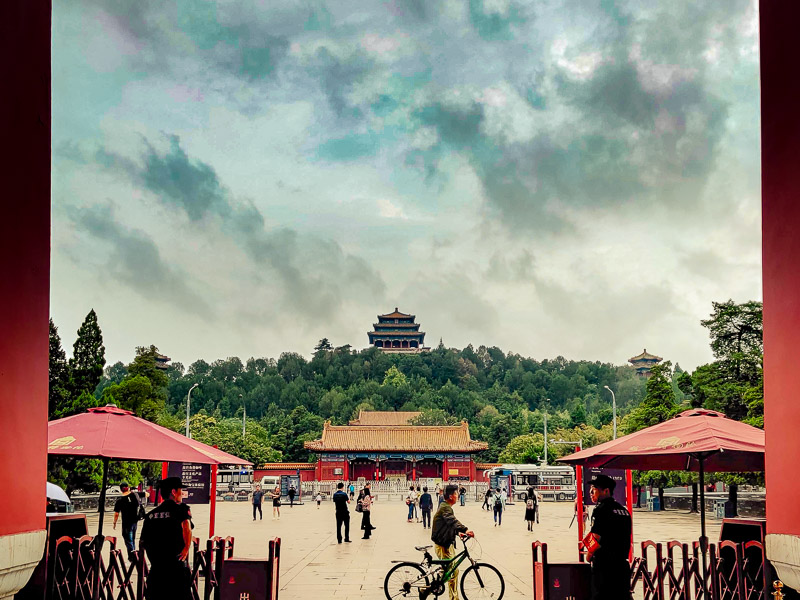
[(170, 483), (603, 482)]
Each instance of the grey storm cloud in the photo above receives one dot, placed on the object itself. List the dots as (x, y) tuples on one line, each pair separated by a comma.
[(315, 275), (222, 39), (134, 260)]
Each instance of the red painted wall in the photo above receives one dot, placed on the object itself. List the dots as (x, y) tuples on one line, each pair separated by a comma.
[(25, 265), (780, 177), (305, 474), (327, 468)]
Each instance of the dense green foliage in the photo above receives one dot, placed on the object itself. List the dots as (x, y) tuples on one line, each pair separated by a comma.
[(504, 397)]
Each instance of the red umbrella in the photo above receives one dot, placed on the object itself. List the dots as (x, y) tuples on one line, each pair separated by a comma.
[(117, 434), (695, 440), (682, 444), (112, 433)]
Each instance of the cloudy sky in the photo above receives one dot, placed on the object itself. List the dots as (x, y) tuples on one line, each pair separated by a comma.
[(243, 178)]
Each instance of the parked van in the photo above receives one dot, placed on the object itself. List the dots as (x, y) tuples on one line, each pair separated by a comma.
[(270, 482)]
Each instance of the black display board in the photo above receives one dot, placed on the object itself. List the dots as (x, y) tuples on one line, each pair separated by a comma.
[(196, 478)]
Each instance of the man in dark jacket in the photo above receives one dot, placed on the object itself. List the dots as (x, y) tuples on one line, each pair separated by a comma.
[(445, 529), (167, 538), (426, 506), (608, 543), (340, 501)]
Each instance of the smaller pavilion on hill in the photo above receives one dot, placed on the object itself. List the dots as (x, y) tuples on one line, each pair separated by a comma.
[(644, 362), (397, 332), (385, 417), (395, 452)]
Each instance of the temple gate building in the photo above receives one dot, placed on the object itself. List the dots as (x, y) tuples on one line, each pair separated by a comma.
[(383, 446), (397, 332), (644, 362)]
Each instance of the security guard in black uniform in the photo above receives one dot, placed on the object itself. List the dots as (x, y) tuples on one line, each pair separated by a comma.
[(608, 543), (167, 537)]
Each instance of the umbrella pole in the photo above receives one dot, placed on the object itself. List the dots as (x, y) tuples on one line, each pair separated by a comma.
[(98, 541), (703, 538)]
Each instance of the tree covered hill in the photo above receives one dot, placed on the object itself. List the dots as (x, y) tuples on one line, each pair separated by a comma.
[(503, 396)]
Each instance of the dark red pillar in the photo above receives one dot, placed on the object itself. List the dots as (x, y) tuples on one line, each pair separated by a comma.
[(780, 183), (24, 301)]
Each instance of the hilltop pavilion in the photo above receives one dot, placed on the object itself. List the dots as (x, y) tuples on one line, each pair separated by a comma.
[(397, 332), (644, 362)]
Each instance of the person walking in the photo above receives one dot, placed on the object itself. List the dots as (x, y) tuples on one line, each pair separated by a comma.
[(486, 499), (410, 498), (352, 491), (258, 498), (276, 503), (166, 539), (530, 510), (462, 494), (426, 506), (292, 494), (366, 507), (131, 511), (340, 501), (608, 543), (445, 529), (417, 494), (498, 506), (319, 499)]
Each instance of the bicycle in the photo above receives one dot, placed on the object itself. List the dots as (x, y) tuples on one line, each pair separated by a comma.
[(430, 577)]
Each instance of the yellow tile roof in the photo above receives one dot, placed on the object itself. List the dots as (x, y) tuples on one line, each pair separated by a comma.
[(395, 438), (384, 417)]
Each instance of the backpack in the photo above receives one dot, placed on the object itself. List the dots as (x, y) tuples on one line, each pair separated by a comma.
[(529, 504), (498, 501)]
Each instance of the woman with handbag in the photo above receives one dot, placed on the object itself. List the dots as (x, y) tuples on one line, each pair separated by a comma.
[(276, 503), (366, 525)]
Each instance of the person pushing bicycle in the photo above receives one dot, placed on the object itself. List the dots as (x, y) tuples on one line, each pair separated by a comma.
[(443, 534)]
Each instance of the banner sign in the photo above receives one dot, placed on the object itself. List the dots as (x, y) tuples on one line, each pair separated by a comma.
[(618, 475), (196, 478)]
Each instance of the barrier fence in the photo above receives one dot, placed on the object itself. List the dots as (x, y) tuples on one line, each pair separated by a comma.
[(674, 571), (72, 574)]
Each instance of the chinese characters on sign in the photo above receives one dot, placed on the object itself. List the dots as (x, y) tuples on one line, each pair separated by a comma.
[(196, 478)]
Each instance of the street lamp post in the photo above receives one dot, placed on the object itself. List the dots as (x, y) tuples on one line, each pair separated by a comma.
[(244, 414), (188, 404), (613, 408), (545, 434)]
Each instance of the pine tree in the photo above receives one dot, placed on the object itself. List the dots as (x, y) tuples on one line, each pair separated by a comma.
[(59, 384), (88, 356)]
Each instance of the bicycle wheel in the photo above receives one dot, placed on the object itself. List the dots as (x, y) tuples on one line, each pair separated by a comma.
[(482, 581), (404, 581)]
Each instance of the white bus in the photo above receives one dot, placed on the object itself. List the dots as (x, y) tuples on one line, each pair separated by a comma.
[(234, 479), (555, 483)]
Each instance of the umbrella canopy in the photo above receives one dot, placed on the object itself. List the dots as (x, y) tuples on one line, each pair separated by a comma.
[(678, 445), (695, 440), (56, 493), (117, 434)]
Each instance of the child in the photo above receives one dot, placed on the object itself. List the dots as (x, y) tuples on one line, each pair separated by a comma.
[(319, 499)]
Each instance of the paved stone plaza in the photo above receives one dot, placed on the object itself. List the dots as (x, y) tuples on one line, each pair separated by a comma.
[(313, 565)]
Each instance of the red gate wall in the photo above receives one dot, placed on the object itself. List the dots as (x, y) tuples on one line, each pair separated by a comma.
[(780, 178)]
